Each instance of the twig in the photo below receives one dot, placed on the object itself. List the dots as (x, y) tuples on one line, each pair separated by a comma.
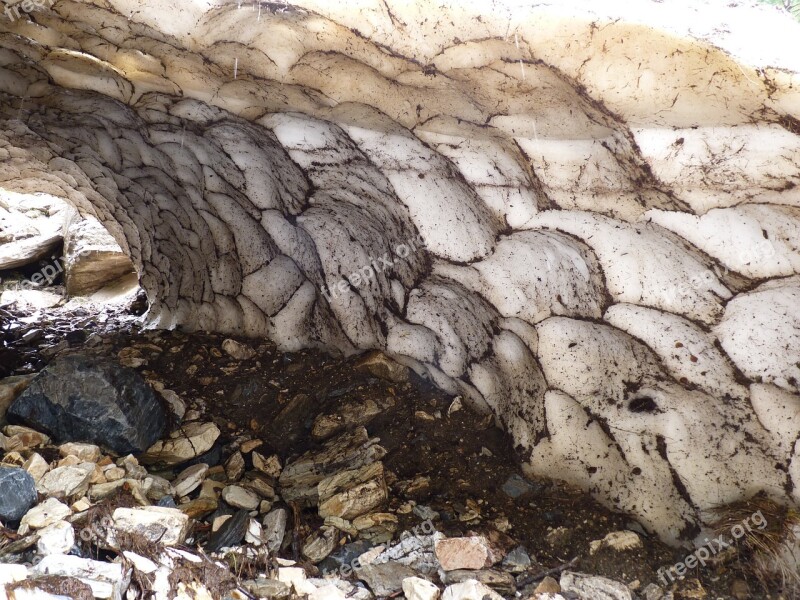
[(541, 575)]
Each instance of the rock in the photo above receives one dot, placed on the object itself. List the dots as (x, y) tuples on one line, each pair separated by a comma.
[(92, 257), (270, 466), (414, 550), (22, 438), (66, 482), (296, 578), (48, 512), (517, 560), (271, 589), (376, 527), (548, 585), (231, 532), (470, 590), (51, 587), (617, 540), (186, 443), (234, 466), (237, 350), (597, 588), (58, 538), (499, 581), (239, 497), (381, 366), (165, 526), (107, 580), (515, 486), (89, 399), (386, 578), (463, 553), (199, 508), (176, 406), (254, 533), (654, 592), (189, 479), (85, 452), (415, 588), (320, 544), (10, 573), (275, 528), (10, 388), (17, 493), (36, 466)]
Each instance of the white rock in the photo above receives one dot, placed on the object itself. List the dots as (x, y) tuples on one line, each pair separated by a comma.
[(107, 580), (48, 512), (617, 540), (470, 590), (416, 588), (140, 563), (65, 482), (85, 452), (237, 350), (240, 498), (189, 479), (166, 526), (295, 577), (597, 588), (191, 440), (58, 538)]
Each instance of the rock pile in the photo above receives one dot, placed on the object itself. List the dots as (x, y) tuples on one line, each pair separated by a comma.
[(185, 509)]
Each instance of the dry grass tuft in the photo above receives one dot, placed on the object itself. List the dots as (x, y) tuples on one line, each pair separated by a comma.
[(769, 549)]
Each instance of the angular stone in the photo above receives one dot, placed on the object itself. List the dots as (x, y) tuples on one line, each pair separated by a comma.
[(85, 452), (165, 526), (92, 257), (190, 441), (237, 350), (90, 399), (107, 580), (58, 538), (48, 512), (36, 466), (617, 540), (320, 544), (591, 586), (548, 585), (271, 589), (270, 466), (234, 466), (386, 578), (200, 507), (66, 482), (240, 498), (17, 493), (470, 590), (499, 581), (275, 528), (189, 479), (416, 588), (463, 553), (230, 533), (381, 366)]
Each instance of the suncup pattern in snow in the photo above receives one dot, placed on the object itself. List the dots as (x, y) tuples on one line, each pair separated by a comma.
[(603, 210)]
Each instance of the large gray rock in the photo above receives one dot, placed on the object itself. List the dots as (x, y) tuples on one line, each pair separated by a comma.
[(17, 493), (88, 399)]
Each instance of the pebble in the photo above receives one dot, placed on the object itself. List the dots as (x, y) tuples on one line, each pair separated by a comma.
[(617, 540), (66, 482), (48, 512), (470, 590), (36, 466), (58, 538), (416, 588), (192, 440), (189, 479), (239, 497), (165, 526), (237, 350), (595, 587), (463, 553), (85, 452)]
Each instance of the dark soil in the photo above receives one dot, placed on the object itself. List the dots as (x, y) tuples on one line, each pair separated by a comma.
[(465, 456)]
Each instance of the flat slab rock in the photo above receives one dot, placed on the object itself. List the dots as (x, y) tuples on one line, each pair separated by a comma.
[(88, 399)]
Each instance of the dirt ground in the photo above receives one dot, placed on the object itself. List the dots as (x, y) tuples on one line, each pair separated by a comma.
[(466, 458)]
